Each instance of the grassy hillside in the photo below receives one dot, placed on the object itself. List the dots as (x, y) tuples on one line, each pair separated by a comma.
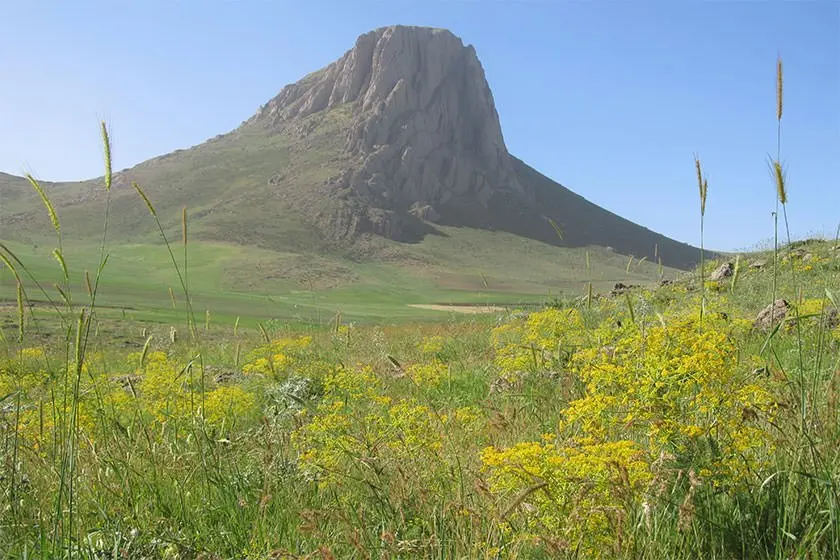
[(256, 203), (619, 427), (466, 266), (224, 183), (261, 188)]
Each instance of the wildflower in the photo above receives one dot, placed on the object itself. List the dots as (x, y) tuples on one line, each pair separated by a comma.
[(578, 493), (32, 353)]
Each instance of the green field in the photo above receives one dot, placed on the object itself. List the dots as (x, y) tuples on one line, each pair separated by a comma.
[(257, 284), (571, 431)]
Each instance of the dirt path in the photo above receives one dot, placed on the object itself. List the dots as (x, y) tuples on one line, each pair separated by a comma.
[(472, 309)]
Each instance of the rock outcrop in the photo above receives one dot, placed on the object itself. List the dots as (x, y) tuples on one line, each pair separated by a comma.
[(772, 315), (425, 131), (414, 145), (723, 271)]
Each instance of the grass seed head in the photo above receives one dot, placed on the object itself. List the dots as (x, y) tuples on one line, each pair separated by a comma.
[(703, 185), (184, 224), (779, 177), (106, 143), (779, 88)]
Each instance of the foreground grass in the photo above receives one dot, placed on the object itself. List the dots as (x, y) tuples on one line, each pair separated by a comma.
[(620, 427)]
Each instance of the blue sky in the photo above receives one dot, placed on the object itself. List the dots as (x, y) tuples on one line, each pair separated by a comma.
[(609, 98)]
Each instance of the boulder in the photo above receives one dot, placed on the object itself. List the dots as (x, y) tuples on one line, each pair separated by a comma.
[(722, 272), (772, 315)]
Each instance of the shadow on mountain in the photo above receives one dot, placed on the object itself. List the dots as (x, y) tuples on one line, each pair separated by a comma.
[(581, 223)]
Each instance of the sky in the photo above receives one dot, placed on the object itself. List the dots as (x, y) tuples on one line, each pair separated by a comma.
[(610, 98)]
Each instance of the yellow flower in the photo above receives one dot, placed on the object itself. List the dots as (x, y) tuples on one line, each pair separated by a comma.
[(577, 493), (229, 403), (428, 375), (432, 344), (32, 353)]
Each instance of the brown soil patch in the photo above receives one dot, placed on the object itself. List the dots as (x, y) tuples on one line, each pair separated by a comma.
[(458, 308)]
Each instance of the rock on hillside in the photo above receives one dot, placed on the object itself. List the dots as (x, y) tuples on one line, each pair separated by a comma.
[(425, 127)]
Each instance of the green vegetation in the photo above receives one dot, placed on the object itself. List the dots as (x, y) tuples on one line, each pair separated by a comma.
[(659, 422), (254, 255), (628, 428), (259, 284)]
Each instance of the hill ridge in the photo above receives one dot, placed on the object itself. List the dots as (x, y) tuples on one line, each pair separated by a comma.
[(395, 140)]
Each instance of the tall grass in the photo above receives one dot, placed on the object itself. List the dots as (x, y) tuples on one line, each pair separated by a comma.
[(76, 321), (779, 179), (703, 186)]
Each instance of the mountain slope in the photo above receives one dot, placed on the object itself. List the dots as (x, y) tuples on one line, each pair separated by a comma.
[(397, 141)]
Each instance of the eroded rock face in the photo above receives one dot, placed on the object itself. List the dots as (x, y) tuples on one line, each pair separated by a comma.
[(425, 128)]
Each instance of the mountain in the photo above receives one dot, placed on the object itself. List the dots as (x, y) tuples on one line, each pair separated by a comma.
[(395, 144)]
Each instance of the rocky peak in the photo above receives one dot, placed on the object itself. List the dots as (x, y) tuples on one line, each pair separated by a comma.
[(425, 127)]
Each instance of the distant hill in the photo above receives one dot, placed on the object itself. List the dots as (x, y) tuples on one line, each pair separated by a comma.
[(391, 146)]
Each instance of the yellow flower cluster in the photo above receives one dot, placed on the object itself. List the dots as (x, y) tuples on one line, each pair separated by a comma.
[(585, 495), (428, 375), (32, 353), (151, 387), (679, 386), (357, 432), (544, 341), (675, 388), (277, 357), (432, 345), (812, 306), (229, 404), (165, 391)]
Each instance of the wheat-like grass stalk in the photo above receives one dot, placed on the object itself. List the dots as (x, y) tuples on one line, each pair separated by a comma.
[(145, 351), (145, 198), (777, 174), (190, 315), (556, 228), (83, 327), (61, 262), (184, 224), (630, 306), (47, 203), (735, 273), (517, 501), (106, 142), (21, 323), (8, 261), (779, 88), (264, 333), (182, 276), (780, 180), (88, 285), (703, 186)]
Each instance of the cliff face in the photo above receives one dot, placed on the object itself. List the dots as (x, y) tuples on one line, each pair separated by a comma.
[(421, 142), (425, 132)]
